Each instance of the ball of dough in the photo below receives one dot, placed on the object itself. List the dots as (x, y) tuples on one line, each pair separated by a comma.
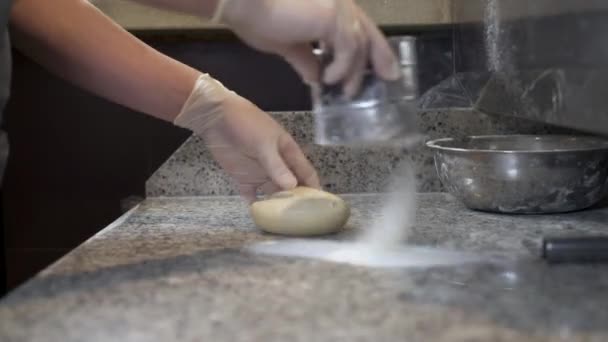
[(301, 212)]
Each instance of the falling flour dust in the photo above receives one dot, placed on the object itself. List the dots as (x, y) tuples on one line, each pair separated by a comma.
[(383, 245)]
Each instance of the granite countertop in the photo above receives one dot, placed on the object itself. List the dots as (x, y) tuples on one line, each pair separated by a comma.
[(174, 269)]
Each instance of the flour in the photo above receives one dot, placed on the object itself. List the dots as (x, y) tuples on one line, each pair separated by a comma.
[(493, 32), (398, 213), (362, 254), (383, 244)]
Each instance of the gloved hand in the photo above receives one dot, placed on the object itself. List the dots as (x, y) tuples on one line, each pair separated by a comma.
[(249, 145), (288, 27)]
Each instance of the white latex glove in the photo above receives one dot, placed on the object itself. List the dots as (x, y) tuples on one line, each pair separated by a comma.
[(251, 147), (288, 27)]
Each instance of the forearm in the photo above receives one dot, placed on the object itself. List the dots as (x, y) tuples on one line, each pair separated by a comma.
[(79, 43)]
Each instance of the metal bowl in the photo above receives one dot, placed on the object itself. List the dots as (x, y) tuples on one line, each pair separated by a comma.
[(524, 174)]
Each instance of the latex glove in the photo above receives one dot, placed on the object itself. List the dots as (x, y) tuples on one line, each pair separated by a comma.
[(249, 145), (288, 27)]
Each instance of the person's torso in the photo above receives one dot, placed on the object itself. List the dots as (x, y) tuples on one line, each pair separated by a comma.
[(5, 76), (5, 53)]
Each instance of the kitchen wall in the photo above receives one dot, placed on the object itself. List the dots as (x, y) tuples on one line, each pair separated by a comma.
[(402, 13), (384, 12)]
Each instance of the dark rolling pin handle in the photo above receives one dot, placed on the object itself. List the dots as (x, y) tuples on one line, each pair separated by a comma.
[(575, 249)]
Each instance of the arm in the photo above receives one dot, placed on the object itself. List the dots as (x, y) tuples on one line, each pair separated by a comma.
[(79, 43), (287, 27), (76, 41)]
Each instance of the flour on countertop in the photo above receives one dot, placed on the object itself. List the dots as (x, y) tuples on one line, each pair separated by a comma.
[(383, 245)]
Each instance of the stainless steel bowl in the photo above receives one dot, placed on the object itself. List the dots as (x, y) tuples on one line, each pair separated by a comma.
[(524, 174)]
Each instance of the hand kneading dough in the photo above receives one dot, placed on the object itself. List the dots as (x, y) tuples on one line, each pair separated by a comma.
[(301, 212)]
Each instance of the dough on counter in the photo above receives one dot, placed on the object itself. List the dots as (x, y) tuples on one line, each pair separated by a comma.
[(301, 212)]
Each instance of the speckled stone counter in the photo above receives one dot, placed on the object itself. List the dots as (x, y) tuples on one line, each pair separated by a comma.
[(174, 270), (191, 171)]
